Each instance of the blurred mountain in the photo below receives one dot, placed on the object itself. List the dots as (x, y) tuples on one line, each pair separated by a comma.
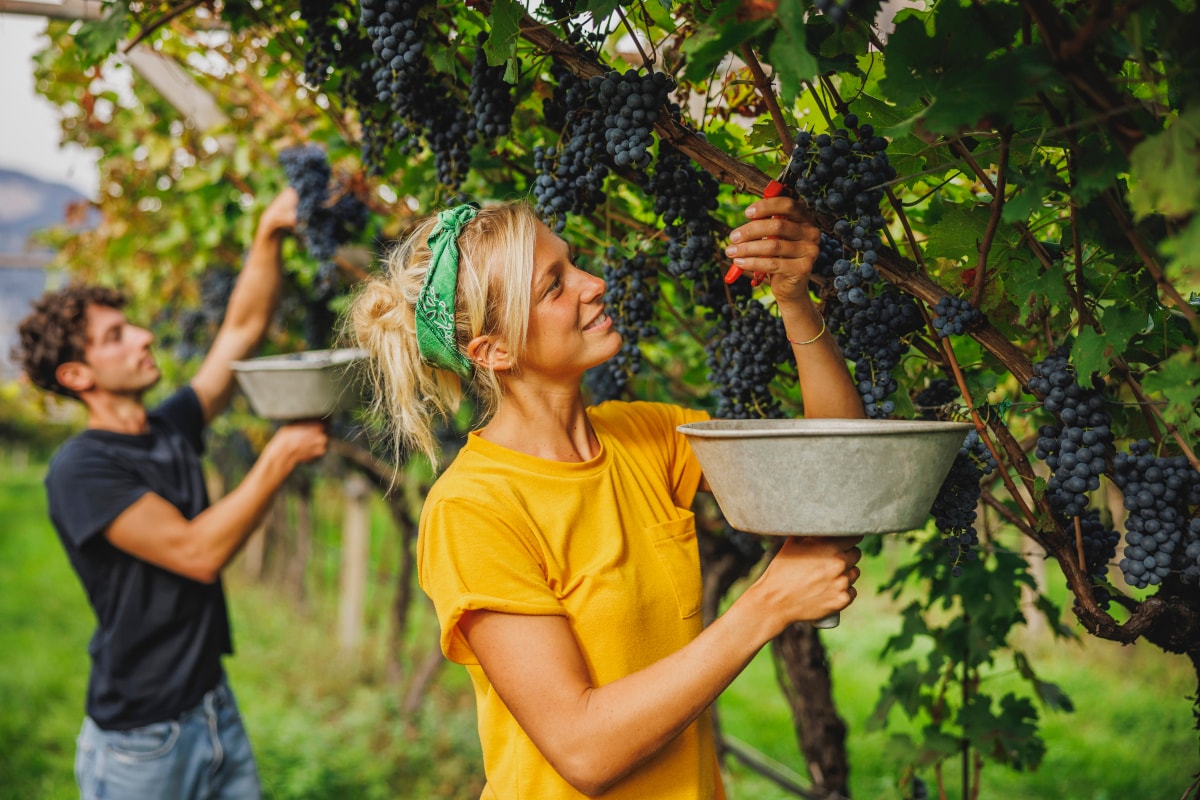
[(28, 205)]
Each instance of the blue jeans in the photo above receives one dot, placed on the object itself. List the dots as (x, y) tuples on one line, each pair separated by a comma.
[(203, 754)]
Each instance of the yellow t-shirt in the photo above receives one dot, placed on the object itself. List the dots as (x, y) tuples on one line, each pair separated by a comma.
[(610, 544)]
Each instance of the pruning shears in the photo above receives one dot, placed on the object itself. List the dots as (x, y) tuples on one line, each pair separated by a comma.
[(777, 186)]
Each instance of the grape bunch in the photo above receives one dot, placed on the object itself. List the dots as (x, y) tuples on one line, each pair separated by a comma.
[(322, 225), (743, 356), (320, 39), (584, 38), (631, 294), (931, 403), (194, 326), (1077, 448), (954, 316), (420, 104), (875, 336), (685, 196), (1160, 533), (401, 65), (570, 177), (490, 96), (1099, 548), (830, 251), (631, 104), (954, 507), (844, 179), (873, 322)]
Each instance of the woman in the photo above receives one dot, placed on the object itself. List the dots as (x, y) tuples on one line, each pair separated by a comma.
[(558, 548)]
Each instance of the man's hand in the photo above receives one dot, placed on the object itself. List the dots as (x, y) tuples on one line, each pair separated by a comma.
[(279, 217), (300, 442)]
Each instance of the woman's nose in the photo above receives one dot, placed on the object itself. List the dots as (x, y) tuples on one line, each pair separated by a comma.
[(593, 287)]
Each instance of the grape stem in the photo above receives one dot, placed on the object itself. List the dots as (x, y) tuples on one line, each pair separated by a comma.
[(982, 428), (158, 23), (989, 233), (763, 84)]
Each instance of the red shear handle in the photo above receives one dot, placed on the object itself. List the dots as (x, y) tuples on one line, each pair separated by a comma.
[(774, 189)]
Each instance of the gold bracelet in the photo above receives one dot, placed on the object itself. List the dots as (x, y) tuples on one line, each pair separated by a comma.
[(820, 333)]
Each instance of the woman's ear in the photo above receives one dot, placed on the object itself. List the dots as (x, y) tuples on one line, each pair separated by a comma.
[(489, 352), (75, 375)]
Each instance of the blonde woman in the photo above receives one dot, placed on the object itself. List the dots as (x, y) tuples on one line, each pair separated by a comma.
[(558, 547)]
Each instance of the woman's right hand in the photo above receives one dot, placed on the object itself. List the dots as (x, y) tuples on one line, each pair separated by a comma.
[(810, 578)]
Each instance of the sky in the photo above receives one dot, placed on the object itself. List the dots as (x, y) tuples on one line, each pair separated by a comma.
[(29, 132)]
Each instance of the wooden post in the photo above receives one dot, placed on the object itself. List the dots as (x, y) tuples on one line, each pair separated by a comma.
[(356, 538)]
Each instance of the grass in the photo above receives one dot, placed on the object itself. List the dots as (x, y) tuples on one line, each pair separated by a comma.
[(329, 725)]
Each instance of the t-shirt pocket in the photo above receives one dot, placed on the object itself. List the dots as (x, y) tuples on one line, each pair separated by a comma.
[(676, 548)]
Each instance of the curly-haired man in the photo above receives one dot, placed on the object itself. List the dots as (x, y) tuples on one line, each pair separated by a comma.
[(128, 500)]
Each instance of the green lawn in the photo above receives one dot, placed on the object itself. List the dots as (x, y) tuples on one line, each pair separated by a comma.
[(327, 725)]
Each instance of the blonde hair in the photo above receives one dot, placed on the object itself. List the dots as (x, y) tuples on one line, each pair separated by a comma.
[(492, 299)]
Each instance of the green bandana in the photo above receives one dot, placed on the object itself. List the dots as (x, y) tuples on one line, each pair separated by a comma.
[(435, 304)]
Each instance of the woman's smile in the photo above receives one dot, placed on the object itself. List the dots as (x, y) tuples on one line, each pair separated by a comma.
[(601, 323)]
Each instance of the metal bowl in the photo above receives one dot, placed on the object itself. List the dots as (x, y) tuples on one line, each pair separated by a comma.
[(308, 385), (826, 477)]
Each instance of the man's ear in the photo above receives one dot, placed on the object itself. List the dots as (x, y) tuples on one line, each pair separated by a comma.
[(489, 352), (76, 376)]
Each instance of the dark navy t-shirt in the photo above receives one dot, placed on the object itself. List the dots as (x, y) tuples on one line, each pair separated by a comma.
[(160, 636)]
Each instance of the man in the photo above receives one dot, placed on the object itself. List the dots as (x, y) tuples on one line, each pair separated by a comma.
[(127, 497)]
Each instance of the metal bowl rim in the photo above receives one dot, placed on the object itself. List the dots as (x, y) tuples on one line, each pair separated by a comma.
[(307, 360), (784, 428)]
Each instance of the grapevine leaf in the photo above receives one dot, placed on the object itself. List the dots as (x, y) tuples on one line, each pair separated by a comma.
[(1096, 170), (789, 50), (958, 233), (951, 66), (1163, 169), (1122, 323), (1177, 381), (1092, 353), (1030, 286), (1011, 736), (1035, 182), (904, 690), (98, 38), (716, 37), (1183, 252), (501, 43), (1051, 695)]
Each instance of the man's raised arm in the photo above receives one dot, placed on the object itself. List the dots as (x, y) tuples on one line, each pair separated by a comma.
[(251, 306)]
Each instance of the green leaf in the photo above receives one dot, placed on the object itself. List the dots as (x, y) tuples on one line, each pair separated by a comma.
[(1183, 253), (958, 233), (1178, 381), (789, 51), (1091, 353), (1031, 287), (1053, 697), (98, 38), (1163, 170), (717, 36), (956, 61), (501, 43)]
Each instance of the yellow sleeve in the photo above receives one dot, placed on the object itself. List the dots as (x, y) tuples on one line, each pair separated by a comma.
[(468, 559), (685, 469)]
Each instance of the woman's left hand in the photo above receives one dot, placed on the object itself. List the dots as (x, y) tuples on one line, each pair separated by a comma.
[(780, 241)]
